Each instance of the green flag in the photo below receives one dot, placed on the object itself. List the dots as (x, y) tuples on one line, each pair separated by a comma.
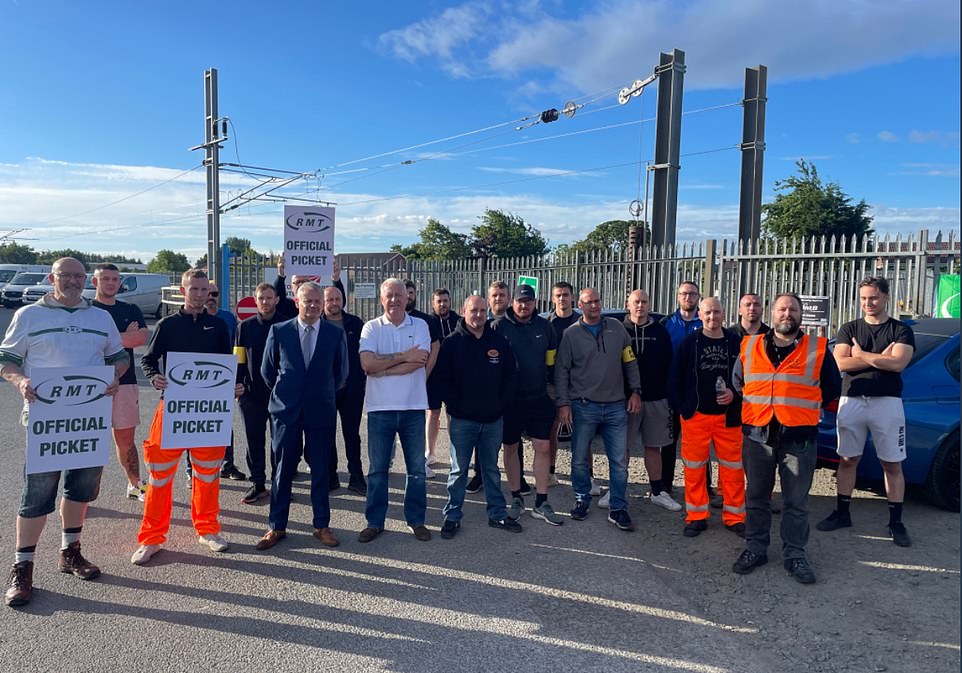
[(947, 296)]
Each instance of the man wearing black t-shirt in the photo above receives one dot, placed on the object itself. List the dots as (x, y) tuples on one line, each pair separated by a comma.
[(447, 321), (126, 402), (749, 316), (562, 317), (434, 328), (873, 351)]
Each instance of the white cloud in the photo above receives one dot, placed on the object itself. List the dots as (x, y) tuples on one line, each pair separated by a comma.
[(539, 171), (930, 170), (887, 137), (852, 138), (944, 138)]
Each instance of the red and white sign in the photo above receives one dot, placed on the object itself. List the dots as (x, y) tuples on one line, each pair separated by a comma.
[(246, 308)]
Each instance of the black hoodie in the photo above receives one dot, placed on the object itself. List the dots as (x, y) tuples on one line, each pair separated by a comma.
[(651, 345)]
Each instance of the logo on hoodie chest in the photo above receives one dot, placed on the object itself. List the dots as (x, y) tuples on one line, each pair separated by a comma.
[(494, 356)]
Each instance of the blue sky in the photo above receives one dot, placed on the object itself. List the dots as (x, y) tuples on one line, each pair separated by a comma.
[(100, 102)]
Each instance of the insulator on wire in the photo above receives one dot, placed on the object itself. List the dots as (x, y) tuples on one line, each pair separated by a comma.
[(549, 116)]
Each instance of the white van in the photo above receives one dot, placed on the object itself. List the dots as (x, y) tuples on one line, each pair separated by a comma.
[(8, 271), (12, 293), (140, 289)]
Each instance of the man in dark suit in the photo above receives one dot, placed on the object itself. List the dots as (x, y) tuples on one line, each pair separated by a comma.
[(305, 363)]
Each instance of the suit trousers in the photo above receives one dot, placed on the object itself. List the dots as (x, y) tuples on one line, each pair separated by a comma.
[(290, 441)]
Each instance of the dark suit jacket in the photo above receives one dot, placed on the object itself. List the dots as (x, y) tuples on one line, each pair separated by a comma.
[(296, 389)]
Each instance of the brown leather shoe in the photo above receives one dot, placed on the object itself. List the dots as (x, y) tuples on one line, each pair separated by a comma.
[(369, 534), (72, 562), (326, 537), (271, 538), (421, 533), (21, 584)]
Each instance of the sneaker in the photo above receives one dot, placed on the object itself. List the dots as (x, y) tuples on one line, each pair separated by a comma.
[(138, 492), (748, 561), (450, 529), (800, 570), (231, 472), (357, 485), (430, 459), (72, 562), (553, 480), (695, 528), (900, 536), (666, 501), (254, 494), (580, 511), (516, 509), (546, 512), (834, 521), (421, 533), (716, 500), (21, 584), (737, 528), (595, 489), (475, 484), (526, 487), (620, 518), (429, 473), (505, 524), (214, 541), (144, 553)]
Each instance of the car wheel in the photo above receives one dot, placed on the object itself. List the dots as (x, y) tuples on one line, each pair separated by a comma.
[(942, 485)]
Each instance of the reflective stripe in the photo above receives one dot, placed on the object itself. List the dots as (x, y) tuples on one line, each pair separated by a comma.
[(159, 483), (693, 464), (730, 465), (696, 508), (209, 478), (785, 401), (734, 510), (161, 467), (205, 463)]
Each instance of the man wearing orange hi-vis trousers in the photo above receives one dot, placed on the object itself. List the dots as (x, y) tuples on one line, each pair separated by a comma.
[(700, 388), (190, 330)]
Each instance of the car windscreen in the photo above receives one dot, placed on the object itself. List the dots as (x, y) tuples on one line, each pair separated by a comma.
[(6, 275), (28, 278)]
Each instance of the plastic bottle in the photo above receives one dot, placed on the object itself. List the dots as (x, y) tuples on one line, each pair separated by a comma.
[(720, 387)]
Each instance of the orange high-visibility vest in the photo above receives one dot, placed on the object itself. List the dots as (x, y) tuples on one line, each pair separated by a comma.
[(791, 392)]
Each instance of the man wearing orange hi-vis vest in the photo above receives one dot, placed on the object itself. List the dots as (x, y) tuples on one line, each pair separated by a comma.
[(700, 388), (190, 330), (785, 378)]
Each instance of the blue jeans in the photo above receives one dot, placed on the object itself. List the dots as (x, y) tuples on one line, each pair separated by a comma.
[(382, 427), (39, 495), (465, 437), (611, 419)]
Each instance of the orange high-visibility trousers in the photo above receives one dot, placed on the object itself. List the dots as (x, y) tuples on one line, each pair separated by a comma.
[(697, 435), (162, 464)]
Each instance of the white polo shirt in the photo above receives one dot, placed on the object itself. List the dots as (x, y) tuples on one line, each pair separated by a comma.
[(396, 393)]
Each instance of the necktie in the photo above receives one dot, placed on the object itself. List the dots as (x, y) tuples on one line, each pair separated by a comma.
[(306, 345)]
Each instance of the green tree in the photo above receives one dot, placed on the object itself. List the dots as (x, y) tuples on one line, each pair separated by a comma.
[(506, 235), (239, 246), (168, 261), (805, 206), (437, 242), (610, 235), (51, 256), (14, 253)]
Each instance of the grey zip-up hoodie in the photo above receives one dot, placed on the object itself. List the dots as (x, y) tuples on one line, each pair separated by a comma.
[(595, 369)]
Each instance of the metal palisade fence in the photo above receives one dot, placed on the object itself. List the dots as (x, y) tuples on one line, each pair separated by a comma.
[(829, 267)]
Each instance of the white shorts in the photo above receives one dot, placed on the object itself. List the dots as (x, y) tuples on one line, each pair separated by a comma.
[(126, 403), (884, 417), (653, 424)]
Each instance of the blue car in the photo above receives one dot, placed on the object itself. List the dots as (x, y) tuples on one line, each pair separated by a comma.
[(931, 398)]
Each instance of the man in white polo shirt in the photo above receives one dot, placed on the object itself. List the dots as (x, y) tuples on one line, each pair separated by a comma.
[(394, 353)]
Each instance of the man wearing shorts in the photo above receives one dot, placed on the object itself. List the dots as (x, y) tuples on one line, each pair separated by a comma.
[(533, 342), (126, 402), (434, 328), (651, 345), (873, 351), (447, 321)]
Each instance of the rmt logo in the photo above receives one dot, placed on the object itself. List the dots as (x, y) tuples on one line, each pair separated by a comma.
[(200, 374), (309, 221)]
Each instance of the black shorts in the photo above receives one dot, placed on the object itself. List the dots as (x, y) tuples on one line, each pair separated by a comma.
[(533, 418), (434, 394)]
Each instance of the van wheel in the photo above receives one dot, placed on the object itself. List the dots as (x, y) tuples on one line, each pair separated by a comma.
[(160, 311), (942, 485)]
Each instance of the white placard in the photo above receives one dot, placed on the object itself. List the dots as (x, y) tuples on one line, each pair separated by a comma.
[(365, 290), (308, 241), (198, 400), (68, 426)]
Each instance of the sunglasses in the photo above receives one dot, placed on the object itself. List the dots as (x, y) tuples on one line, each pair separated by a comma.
[(215, 294)]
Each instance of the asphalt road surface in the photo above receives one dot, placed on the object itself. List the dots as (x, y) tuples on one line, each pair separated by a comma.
[(580, 597)]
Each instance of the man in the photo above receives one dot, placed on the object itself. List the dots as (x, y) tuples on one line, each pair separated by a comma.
[(434, 328), (680, 324), (229, 470), (651, 346), (594, 367), (191, 330), (249, 348), (532, 341), (305, 363), (350, 398), (562, 317), (126, 402), (749, 316), (784, 377), (60, 330), (476, 377), (287, 306), (873, 351), (395, 349), (447, 321), (700, 390)]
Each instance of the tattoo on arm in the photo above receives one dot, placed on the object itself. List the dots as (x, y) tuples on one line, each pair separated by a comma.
[(385, 356)]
